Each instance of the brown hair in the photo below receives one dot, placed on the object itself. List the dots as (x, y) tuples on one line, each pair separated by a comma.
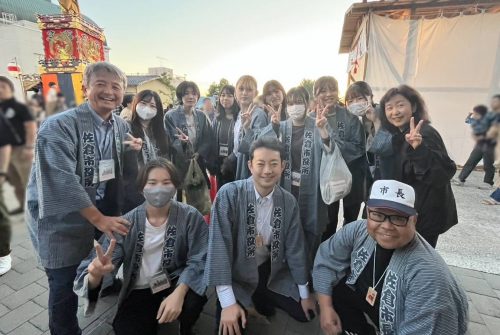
[(247, 80), (323, 82)]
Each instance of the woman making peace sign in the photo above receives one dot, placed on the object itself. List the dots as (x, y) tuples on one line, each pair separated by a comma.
[(420, 160), (163, 259)]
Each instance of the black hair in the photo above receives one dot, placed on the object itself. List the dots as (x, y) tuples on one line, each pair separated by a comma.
[(235, 109), (480, 109), (7, 81), (297, 92), (496, 96), (142, 177), (52, 84), (359, 89), (268, 143), (418, 106), (127, 98), (181, 90), (156, 124)]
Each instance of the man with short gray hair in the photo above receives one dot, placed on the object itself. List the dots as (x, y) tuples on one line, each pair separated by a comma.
[(74, 186)]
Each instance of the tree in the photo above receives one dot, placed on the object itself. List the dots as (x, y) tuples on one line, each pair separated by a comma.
[(308, 84), (167, 81), (214, 88)]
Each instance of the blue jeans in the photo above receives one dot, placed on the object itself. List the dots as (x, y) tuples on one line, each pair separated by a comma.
[(63, 302), (496, 194)]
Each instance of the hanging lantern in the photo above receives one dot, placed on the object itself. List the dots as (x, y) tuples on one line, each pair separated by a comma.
[(14, 69)]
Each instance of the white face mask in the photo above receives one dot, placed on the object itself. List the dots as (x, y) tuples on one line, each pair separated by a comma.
[(145, 112), (359, 108), (296, 112)]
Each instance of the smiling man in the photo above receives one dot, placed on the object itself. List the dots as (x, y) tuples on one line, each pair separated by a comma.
[(74, 187), (382, 268), (257, 252)]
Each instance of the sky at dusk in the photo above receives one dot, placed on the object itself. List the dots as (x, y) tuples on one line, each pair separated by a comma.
[(287, 40)]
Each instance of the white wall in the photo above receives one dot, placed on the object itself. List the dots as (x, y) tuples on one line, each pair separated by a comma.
[(453, 62), (22, 40)]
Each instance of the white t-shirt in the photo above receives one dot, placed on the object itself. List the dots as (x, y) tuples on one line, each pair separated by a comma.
[(152, 254)]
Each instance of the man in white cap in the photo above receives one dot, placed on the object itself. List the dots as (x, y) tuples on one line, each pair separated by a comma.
[(380, 274)]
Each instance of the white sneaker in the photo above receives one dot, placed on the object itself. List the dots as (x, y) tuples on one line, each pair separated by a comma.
[(5, 264), (457, 182)]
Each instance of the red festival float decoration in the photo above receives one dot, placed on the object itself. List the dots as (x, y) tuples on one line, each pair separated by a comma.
[(70, 42)]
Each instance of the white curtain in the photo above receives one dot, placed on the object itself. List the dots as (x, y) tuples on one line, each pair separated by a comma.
[(453, 62)]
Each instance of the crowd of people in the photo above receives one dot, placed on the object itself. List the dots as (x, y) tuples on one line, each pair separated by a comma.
[(107, 190)]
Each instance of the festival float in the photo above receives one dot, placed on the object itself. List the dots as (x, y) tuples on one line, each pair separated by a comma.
[(70, 43)]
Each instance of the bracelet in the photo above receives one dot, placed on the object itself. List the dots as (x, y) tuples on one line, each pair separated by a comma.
[(3, 174)]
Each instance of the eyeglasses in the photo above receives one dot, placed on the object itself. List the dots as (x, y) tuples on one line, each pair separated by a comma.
[(397, 220)]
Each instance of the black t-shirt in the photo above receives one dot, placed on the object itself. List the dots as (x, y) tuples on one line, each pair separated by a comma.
[(365, 280), (15, 115), (225, 135)]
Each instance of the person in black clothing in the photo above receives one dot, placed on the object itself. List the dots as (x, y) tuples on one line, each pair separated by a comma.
[(420, 160), (21, 125), (5, 228), (224, 166), (146, 122), (484, 148)]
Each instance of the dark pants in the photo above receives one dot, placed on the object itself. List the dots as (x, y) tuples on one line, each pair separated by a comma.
[(485, 151), (137, 314), (431, 239), (351, 212), (63, 302), (5, 229), (265, 299), (351, 308)]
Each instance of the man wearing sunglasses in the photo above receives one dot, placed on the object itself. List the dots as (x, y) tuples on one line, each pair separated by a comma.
[(380, 274)]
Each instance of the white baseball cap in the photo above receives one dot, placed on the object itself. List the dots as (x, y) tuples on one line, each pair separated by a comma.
[(392, 194)]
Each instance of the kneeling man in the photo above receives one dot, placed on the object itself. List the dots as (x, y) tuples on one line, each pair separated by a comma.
[(257, 255), (382, 268)]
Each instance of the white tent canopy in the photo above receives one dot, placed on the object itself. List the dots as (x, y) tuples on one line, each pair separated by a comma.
[(453, 62)]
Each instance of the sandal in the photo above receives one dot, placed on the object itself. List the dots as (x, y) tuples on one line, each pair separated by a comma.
[(490, 201)]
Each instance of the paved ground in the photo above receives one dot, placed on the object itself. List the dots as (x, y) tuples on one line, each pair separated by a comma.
[(470, 248)]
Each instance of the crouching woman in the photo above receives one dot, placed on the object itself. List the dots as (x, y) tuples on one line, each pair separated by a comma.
[(163, 259)]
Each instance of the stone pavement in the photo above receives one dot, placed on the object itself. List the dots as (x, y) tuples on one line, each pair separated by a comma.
[(470, 246)]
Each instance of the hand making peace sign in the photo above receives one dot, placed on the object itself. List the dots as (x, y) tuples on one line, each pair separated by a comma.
[(102, 264), (275, 114), (414, 138), (135, 143), (246, 117)]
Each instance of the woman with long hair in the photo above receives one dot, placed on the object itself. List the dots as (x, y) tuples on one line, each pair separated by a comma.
[(146, 122), (274, 95), (420, 159), (223, 128)]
